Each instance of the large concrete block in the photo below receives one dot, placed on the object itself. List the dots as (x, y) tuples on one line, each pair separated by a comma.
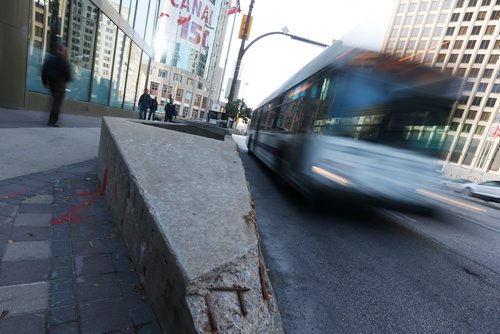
[(183, 205)]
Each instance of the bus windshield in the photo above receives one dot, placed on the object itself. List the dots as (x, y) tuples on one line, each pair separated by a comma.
[(376, 108)]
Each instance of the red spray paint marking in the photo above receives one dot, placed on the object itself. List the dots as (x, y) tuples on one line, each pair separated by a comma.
[(103, 188), (67, 216)]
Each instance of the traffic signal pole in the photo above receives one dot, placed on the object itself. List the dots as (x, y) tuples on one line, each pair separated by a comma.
[(231, 96)]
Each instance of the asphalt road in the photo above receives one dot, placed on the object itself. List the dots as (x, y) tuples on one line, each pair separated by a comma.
[(362, 270)]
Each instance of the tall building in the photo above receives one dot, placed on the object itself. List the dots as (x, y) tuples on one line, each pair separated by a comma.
[(188, 53), (461, 37), (109, 45)]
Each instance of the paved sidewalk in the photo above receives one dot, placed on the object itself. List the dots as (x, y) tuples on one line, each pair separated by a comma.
[(64, 266)]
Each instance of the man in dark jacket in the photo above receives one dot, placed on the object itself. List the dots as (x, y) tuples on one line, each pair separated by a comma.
[(144, 103), (56, 72), (169, 109), (152, 109)]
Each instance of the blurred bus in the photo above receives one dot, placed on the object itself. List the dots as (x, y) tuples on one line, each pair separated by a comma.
[(356, 122)]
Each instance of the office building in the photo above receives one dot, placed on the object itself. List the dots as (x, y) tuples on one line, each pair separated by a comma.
[(461, 37), (109, 44), (187, 55)]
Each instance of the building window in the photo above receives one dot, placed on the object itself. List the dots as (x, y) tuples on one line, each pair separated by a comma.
[(164, 90), (484, 44), (458, 44), (461, 72), (178, 94), (495, 15), (445, 45), (404, 32), (493, 59), (430, 19), (465, 58), (466, 128), (154, 86), (471, 114), (479, 59), (481, 16), (489, 30), (460, 3), (485, 116), (491, 102), (408, 20), (412, 7), (454, 17), (468, 87), (485, 2), (497, 45), (435, 5), (479, 130), (398, 21), (471, 44), (495, 88), (197, 100), (482, 87), (189, 81), (440, 58), (202, 114), (162, 73), (487, 73), (419, 19), (414, 32), (467, 16), (472, 3), (474, 72), (177, 77), (453, 58), (450, 31), (459, 113), (185, 111), (476, 101), (476, 30), (463, 99), (204, 102), (462, 31), (471, 152), (454, 126), (200, 85), (402, 8)]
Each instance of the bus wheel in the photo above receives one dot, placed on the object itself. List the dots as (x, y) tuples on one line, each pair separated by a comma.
[(249, 145)]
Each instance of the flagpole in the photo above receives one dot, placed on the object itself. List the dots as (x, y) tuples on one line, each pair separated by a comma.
[(227, 57)]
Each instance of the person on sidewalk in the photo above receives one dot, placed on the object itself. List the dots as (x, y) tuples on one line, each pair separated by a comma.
[(152, 109), (56, 72), (144, 104), (169, 109)]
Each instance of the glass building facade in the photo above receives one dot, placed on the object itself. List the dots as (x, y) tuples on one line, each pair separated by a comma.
[(109, 48), (461, 37)]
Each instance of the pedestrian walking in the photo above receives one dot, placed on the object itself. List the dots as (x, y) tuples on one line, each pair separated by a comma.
[(152, 109), (169, 109), (56, 72), (144, 104)]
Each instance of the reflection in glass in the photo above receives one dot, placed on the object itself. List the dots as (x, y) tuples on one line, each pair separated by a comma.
[(152, 16), (80, 38), (143, 73), (120, 70), (141, 17), (103, 64), (38, 45), (133, 72)]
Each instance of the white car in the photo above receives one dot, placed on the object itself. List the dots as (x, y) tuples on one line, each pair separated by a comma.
[(488, 190), (457, 185)]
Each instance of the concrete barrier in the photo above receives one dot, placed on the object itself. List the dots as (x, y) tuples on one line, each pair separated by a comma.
[(182, 203)]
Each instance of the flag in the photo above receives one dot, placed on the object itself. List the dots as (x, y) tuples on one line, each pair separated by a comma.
[(234, 9), (183, 20), (164, 14)]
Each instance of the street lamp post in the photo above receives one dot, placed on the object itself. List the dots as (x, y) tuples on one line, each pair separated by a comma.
[(230, 98)]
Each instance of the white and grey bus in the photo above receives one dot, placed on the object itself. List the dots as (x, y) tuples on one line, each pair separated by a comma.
[(357, 122)]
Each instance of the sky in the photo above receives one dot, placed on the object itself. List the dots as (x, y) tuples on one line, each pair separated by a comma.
[(273, 59)]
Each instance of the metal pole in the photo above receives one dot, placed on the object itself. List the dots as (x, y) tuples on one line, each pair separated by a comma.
[(240, 54), (227, 57)]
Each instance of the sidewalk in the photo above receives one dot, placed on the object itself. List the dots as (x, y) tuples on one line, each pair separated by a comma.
[(64, 267)]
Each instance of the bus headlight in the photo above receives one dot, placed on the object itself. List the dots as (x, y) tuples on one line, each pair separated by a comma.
[(331, 176)]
